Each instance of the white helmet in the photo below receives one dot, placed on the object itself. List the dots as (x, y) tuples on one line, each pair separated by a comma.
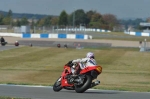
[(90, 55)]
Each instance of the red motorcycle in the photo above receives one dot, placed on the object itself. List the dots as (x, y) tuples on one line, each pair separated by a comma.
[(81, 82)]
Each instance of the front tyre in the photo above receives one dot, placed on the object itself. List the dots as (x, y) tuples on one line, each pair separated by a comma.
[(57, 85), (86, 85)]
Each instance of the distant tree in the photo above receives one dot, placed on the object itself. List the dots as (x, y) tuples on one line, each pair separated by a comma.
[(63, 18), (54, 21), (9, 13), (70, 19), (110, 20), (96, 21), (89, 16), (47, 21), (80, 17), (17, 23), (32, 23), (95, 24), (1, 19), (40, 22), (6, 20), (96, 17), (24, 21)]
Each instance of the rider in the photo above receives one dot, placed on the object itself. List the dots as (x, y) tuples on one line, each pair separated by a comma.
[(2, 40), (89, 60)]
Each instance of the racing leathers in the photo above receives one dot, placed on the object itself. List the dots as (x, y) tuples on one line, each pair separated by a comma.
[(83, 63)]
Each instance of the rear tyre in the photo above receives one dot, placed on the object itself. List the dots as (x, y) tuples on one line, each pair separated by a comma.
[(86, 85), (57, 85)]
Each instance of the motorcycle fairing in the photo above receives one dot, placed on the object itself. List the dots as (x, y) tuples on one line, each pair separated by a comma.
[(64, 82), (90, 68)]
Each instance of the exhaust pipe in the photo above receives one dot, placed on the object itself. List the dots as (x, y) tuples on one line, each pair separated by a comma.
[(95, 83)]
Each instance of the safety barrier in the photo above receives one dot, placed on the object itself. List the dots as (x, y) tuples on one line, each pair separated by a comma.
[(86, 29), (46, 35), (138, 33)]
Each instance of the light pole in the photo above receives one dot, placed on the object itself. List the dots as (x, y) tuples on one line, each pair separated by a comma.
[(74, 19), (145, 45)]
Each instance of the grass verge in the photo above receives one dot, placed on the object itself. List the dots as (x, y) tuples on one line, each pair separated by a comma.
[(123, 68), (4, 97)]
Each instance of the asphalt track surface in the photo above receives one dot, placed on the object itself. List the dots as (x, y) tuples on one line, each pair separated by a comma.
[(39, 92), (2, 48)]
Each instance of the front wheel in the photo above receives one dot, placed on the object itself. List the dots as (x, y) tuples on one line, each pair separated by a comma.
[(57, 85), (86, 85)]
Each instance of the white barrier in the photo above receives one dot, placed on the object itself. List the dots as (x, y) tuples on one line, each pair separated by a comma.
[(132, 33), (138, 33), (145, 34), (35, 36), (53, 36), (71, 36), (11, 34), (63, 36)]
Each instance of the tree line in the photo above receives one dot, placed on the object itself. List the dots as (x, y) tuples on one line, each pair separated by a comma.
[(89, 19)]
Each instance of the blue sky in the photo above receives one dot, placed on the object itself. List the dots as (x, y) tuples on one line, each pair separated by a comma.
[(120, 8)]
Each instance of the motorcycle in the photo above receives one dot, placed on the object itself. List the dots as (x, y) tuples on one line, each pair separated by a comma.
[(80, 83)]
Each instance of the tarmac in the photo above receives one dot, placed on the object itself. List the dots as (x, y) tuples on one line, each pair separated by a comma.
[(71, 42)]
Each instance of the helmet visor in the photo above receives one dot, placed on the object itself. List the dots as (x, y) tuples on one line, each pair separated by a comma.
[(92, 57)]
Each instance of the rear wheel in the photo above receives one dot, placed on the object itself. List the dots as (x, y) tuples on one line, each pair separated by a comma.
[(57, 85), (86, 85)]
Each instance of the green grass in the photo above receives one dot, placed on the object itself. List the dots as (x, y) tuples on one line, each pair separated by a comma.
[(115, 36), (4, 97), (123, 68)]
